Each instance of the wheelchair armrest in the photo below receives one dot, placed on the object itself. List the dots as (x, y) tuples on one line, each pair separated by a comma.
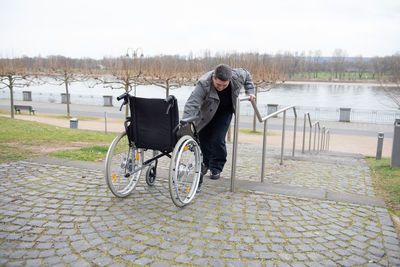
[(189, 119)]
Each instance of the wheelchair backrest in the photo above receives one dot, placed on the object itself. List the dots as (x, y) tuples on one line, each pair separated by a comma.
[(153, 123)]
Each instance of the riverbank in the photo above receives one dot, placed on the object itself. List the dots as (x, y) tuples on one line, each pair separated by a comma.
[(342, 82)]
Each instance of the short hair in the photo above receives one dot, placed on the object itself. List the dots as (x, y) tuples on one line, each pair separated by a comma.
[(223, 72)]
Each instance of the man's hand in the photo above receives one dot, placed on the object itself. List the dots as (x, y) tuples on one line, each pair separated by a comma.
[(252, 97)]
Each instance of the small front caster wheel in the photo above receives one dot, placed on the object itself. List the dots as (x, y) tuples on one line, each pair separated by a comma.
[(151, 175)]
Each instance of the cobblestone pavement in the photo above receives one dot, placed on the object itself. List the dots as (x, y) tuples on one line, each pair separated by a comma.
[(349, 175), (64, 215), (346, 176)]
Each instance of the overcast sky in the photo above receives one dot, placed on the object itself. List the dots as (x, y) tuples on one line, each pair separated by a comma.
[(98, 28)]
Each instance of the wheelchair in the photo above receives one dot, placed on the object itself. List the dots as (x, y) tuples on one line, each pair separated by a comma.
[(154, 125)]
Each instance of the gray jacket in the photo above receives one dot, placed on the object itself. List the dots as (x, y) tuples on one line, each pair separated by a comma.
[(204, 100)]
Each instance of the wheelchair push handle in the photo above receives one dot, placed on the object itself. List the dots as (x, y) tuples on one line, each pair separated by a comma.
[(125, 97), (170, 100)]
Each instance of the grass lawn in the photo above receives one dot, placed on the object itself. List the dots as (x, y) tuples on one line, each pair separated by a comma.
[(20, 139), (386, 182), (250, 131)]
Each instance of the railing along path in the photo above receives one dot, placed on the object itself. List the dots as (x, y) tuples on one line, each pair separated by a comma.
[(323, 142)]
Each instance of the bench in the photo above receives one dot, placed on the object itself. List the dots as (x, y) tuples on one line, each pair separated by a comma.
[(18, 108)]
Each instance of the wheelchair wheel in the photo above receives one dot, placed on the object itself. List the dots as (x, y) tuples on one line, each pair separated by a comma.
[(123, 166), (151, 175), (184, 171)]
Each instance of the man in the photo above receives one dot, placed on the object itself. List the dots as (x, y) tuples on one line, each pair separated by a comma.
[(212, 102)]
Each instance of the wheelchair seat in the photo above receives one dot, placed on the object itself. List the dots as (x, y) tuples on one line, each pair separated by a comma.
[(153, 123)]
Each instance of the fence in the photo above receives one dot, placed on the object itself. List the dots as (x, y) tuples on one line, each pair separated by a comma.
[(332, 114)]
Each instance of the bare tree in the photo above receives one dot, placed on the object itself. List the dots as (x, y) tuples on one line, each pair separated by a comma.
[(308, 64), (361, 66), (195, 68), (394, 64), (338, 60), (316, 62), (377, 68), (395, 67), (264, 74), (168, 72), (120, 73), (64, 72), (294, 63), (14, 73)]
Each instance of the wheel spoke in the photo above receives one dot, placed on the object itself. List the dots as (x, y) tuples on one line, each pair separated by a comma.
[(184, 171), (122, 160)]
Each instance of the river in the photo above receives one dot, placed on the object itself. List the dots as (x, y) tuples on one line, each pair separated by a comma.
[(369, 103)]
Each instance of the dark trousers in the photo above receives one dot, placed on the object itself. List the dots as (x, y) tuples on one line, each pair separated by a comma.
[(212, 140)]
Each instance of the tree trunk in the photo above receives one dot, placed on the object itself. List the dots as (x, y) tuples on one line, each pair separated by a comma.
[(10, 85), (167, 89), (127, 106)]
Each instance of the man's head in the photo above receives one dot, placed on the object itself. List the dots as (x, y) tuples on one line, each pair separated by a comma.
[(222, 76)]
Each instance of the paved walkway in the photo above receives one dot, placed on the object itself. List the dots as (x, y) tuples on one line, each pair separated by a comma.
[(311, 211), (345, 137)]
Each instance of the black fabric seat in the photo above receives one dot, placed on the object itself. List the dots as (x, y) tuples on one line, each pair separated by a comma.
[(153, 123)]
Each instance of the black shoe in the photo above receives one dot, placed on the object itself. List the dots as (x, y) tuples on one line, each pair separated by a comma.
[(215, 174)]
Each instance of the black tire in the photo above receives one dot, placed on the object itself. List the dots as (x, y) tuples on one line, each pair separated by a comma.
[(123, 166), (151, 175), (185, 171)]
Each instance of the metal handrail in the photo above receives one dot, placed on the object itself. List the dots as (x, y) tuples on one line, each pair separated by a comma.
[(306, 115), (328, 134), (323, 137), (315, 133), (325, 141), (265, 120)]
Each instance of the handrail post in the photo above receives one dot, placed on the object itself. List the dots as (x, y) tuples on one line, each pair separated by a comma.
[(309, 141), (319, 139), (264, 151), (234, 146), (323, 141), (328, 139), (315, 136), (283, 136), (294, 131), (304, 133)]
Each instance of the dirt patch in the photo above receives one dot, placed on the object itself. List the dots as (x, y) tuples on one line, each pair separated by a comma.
[(43, 148)]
